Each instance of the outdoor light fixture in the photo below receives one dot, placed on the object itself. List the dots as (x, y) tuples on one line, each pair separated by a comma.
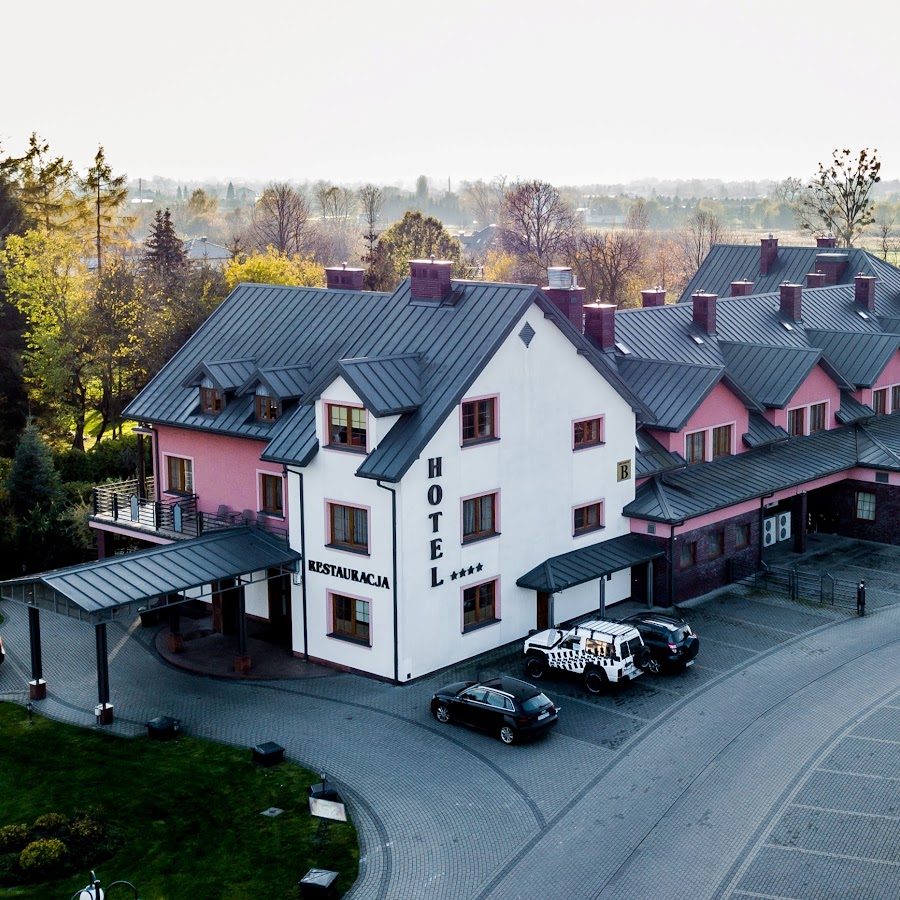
[(30, 707), (93, 891), (142, 429)]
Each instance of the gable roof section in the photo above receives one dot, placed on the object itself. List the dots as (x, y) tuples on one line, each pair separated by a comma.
[(284, 382), (771, 375), (225, 374), (726, 263), (651, 457), (387, 385), (761, 432), (672, 391), (852, 410), (859, 357)]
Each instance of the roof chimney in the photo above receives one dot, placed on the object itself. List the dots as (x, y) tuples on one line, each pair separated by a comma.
[(429, 278), (815, 279), (600, 324), (705, 311), (833, 265), (653, 297), (741, 288), (828, 241), (865, 291), (790, 301), (566, 296), (768, 253), (343, 279)]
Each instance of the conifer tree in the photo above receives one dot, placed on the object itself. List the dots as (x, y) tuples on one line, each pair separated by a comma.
[(106, 193), (32, 480), (229, 194), (165, 250)]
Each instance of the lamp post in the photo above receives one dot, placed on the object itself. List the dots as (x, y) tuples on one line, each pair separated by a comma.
[(30, 707)]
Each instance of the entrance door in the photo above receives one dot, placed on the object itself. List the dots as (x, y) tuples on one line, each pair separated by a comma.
[(225, 607), (543, 611), (280, 605)]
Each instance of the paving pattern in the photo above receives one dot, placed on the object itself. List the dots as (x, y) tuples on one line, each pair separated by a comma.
[(770, 769)]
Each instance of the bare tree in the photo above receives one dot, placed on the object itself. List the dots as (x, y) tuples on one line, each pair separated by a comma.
[(536, 226), (838, 198), (281, 219), (788, 190), (484, 200), (336, 204), (888, 240), (696, 238)]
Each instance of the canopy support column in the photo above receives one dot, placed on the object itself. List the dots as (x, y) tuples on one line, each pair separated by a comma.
[(104, 709), (602, 596), (242, 660), (649, 584), (37, 687)]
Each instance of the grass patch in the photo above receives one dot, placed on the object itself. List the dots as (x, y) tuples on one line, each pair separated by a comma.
[(187, 812)]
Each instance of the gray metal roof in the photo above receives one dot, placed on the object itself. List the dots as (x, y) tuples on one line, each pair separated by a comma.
[(387, 385), (852, 410), (672, 391), (761, 432), (279, 326), (226, 374), (726, 263), (859, 357), (651, 457), (285, 382), (676, 496), (98, 591), (588, 563), (771, 375)]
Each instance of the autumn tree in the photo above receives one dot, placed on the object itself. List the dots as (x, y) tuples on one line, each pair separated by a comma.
[(274, 267), (536, 227), (838, 199), (414, 237), (105, 193), (281, 220), (199, 212)]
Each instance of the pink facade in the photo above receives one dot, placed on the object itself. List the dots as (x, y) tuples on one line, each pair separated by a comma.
[(817, 388), (720, 407), (887, 379), (226, 470)]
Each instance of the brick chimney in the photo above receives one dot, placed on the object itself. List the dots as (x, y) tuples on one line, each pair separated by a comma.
[(827, 241), (741, 288), (768, 254), (865, 291), (653, 297), (815, 279), (705, 311), (343, 279), (790, 301), (429, 278), (833, 265), (600, 324), (565, 295)]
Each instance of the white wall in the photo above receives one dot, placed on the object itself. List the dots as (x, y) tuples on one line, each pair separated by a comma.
[(541, 390)]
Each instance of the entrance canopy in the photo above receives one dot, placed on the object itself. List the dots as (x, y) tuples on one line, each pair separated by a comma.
[(104, 590), (589, 563)]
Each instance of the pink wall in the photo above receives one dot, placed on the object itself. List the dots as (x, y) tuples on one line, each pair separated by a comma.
[(720, 407), (226, 469), (888, 378), (817, 387)]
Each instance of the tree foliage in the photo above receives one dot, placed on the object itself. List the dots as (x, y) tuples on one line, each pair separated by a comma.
[(164, 249), (414, 237), (274, 267), (105, 193), (838, 199), (371, 199), (32, 480), (281, 220)]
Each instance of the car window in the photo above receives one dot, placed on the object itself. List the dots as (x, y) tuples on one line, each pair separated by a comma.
[(477, 696), (497, 700), (539, 701)]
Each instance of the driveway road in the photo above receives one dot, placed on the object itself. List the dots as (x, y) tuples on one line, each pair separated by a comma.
[(735, 779)]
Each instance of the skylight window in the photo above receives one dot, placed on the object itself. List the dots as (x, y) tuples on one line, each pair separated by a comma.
[(697, 339), (788, 326), (862, 315), (622, 348)]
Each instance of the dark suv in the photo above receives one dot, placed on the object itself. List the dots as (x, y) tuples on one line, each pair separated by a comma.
[(670, 640), (505, 706)]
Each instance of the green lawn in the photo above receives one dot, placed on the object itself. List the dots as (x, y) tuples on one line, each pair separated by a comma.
[(188, 810)]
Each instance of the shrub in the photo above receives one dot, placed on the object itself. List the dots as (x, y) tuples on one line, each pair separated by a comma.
[(13, 838), (53, 824), (10, 873), (44, 859)]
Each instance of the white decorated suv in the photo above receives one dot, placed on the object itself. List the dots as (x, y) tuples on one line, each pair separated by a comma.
[(599, 652)]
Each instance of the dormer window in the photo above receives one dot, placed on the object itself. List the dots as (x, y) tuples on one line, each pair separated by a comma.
[(266, 408), (346, 427), (210, 400)]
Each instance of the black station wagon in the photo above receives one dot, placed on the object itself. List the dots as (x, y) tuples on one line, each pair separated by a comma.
[(505, 706)]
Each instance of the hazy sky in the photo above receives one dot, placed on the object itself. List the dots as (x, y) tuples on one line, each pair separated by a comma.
[(570, 91)]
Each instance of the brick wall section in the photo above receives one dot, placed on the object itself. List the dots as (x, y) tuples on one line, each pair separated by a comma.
[(815, 279), (833, 510), (741, 288), (600, 324), (768, 254), (833, 265), (429, 279), (570, 302), (791, 301), (864, 291), (344, 279)]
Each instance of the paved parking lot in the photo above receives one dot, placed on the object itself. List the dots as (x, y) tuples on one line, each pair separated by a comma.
[(768, 769)]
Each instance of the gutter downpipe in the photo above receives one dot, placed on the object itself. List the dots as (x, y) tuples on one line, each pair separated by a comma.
[(157, 475), (302, 561), (393, 494)]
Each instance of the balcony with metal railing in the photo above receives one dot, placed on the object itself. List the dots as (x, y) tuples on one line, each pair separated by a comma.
[(175, 517)]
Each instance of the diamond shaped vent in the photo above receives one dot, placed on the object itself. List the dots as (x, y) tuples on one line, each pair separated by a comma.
[(526, 334)]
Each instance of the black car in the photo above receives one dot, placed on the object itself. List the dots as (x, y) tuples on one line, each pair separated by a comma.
[(510, 708), (670, 640)]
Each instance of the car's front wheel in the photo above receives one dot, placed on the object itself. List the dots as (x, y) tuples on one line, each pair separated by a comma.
[(536, 666), (508, 734), (442, 713), (594, 681)]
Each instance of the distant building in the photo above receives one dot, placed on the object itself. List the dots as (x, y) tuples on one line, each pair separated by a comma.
[(205, 251)]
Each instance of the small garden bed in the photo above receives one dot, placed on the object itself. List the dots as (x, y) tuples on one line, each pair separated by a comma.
[(179, 819)]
